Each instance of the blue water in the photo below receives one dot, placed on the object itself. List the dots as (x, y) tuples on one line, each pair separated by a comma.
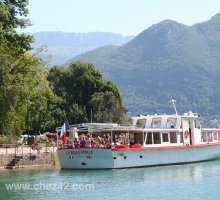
[(196, 181)]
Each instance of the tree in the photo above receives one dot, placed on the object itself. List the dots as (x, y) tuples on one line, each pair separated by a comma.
[(26, 100), (23, 82), (13, 16), (84, 91), (107, 107)]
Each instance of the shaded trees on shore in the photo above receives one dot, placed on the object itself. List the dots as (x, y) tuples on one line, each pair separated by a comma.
[(34, 97), (85, 95)]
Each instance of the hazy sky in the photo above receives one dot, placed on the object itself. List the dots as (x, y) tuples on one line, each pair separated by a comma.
[(127, 17)]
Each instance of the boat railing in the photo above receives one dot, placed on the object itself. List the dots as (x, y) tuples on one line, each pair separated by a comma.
[(109, 146), (210, 134)]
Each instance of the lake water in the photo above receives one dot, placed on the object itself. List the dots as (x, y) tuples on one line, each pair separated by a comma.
[(196, 181)]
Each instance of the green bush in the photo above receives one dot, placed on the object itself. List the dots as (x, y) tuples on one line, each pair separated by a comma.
[(8, 139), (43, 139)]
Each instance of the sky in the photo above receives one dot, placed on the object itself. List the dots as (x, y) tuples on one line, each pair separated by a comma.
[(125, 17)]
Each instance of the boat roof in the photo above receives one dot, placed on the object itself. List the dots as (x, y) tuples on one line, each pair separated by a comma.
[(190, 114), (107, 128)]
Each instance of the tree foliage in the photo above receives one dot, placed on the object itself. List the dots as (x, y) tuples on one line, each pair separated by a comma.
[(13, 15), (85, 94), (24, 91), (26, 100)]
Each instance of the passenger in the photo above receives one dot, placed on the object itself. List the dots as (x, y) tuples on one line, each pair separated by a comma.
[(100, 142), (95, 143), (76, 143), (83, 143), (88, 141), (108, 146), (118, 142)]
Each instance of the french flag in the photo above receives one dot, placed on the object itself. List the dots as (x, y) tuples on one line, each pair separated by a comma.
[(64, 129)]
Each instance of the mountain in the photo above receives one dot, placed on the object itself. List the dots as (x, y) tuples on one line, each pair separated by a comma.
[(169, 59), (63, 46), (210, 30)]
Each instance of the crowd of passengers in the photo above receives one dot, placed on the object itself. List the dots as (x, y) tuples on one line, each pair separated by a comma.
[(98, 141)]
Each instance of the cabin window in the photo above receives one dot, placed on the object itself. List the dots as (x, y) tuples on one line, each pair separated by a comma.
[(149, 138), (197, 124), (210, 137), (173, 137), (215, 136), (156, 123), (138, 138), (205, 136), (171, 122), (180, 136), (141, 123), (157, 138), (131, 138), (165, 137)]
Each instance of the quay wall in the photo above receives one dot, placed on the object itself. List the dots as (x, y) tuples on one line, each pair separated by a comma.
[(5, 159), (29, 156)]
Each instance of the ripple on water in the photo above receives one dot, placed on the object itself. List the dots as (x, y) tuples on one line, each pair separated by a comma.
[(197, 181)]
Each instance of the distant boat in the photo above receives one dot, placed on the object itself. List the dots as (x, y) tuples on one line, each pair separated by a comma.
[(152, 140)]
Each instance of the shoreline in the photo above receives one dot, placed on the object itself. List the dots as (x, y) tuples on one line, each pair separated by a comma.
[(27, 167), (28, 158)]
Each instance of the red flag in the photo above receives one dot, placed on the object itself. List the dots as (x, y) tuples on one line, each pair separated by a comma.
[(63, 133)]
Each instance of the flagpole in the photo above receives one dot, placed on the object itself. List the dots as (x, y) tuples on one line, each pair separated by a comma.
[(57, 137), (91, 115), (64, 129)]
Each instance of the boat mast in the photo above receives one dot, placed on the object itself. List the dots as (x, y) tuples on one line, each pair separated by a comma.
[(173, 101)]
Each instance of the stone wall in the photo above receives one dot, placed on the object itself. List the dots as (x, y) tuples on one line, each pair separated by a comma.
[(37, 159), (30, 157), (5, 159)]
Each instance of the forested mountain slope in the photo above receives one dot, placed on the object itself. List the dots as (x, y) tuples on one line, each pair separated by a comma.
[(167, 59)]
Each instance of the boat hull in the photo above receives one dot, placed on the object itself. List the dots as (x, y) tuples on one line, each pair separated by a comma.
[(90, 158)]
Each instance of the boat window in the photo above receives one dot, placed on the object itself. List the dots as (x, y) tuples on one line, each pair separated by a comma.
[(149, 138), (156, 123), (197, 124), (180, 137), (215, 135), (207, 136), (138, 138), (141, 123), (131, 138), (157, 138), (173, 137), (210, 136), (218, 136), (171, 122), (203, 137), (165, 137)]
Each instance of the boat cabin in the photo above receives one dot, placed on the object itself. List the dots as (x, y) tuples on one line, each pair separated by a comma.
[(145, 131), (174, 129)]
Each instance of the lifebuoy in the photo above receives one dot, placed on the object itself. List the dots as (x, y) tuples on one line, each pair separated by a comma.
[(186, 134)]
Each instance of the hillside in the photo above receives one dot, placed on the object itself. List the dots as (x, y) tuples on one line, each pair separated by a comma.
[(63, 46), (167, 59)]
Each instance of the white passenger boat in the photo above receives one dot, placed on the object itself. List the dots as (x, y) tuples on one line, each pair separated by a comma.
[(152, 140)]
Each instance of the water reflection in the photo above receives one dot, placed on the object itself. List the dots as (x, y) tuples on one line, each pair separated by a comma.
[(165, 173)]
